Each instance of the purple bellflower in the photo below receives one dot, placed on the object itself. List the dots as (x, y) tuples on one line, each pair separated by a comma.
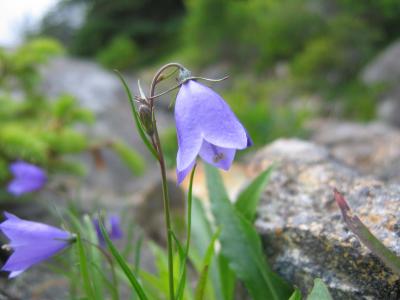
[(113, 227), (31, 243), (206, 126), (27, 178)]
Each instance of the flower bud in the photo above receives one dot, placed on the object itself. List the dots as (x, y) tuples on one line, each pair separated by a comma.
[(146, 119)]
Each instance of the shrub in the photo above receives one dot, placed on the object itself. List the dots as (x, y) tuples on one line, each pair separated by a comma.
[(121, 53)]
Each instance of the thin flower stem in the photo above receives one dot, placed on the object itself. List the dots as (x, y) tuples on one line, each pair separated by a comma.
[(156, 140), (190, 78), (157, 78)]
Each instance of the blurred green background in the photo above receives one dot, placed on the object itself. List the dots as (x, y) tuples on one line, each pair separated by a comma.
[(289, 61), (283, 55)]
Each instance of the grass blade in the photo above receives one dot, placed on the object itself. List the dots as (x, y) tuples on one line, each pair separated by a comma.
[(296, 295), (94, 256), (201, 285), (87, 285), (122, 263)]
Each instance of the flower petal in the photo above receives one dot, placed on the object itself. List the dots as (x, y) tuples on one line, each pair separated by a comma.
[(181, 175), (218, 124), (188, 130), (116, 231), (19, 231), (217, 156), (27, 178), (27, 255)]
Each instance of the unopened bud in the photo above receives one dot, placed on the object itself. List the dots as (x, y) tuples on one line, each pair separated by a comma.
[(146, 118), (184, 74)]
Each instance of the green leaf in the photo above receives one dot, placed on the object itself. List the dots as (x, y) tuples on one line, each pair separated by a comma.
[(319, 291), (366, 237), (182, 276), (248, 199), (227, 278), (296, 295), (241, 245), (123, 264), (135, 115), (201, 285), (130, 157)]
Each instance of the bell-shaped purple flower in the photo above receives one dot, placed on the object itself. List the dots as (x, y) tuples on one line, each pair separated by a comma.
[(31, 243), (206, 126), (27, 178), (113, 227)]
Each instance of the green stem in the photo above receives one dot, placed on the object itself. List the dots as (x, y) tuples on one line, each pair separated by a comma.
[(157, 78), (189, 212)]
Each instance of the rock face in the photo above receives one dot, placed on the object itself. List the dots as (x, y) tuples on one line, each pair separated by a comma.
[(100, 91), (301, 225), (385, 69), (371, 149)]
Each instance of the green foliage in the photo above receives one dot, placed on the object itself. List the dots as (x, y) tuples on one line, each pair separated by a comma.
[(319, 291), (40, 130), (296, 295), (238, 236), (130, 157), (335, 58), (253, 102), (151, 24), (123, 264), (19, 143), (121, 53), (283, 30), (359, 101), (247, 200), (170, 146), (20, 66), (222, 27)]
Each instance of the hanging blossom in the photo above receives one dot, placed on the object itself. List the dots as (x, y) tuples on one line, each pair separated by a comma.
[(31, 243), (206, 126), (113, 227), (27, 178)]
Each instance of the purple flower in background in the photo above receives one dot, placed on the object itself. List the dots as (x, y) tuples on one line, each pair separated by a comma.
[(113, 227), (31, 243), (27, 178), (206, 126)]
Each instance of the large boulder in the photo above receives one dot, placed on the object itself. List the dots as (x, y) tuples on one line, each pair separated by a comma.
[(371, 149), (302, 228), (385, 70)]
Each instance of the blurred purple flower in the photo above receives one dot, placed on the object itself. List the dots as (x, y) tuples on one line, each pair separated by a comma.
[(27, 178), (113, 227), (206, 126), (31, 243)]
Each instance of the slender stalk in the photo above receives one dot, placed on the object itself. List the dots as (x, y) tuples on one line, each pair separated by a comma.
[(156, 140)]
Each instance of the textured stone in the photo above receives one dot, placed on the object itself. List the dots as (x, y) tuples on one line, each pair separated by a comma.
[(301, 225), (371, 149)]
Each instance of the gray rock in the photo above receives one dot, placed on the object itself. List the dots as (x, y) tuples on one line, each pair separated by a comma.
[(302, 228), (385, 69), (371, 149), (100, 91)]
